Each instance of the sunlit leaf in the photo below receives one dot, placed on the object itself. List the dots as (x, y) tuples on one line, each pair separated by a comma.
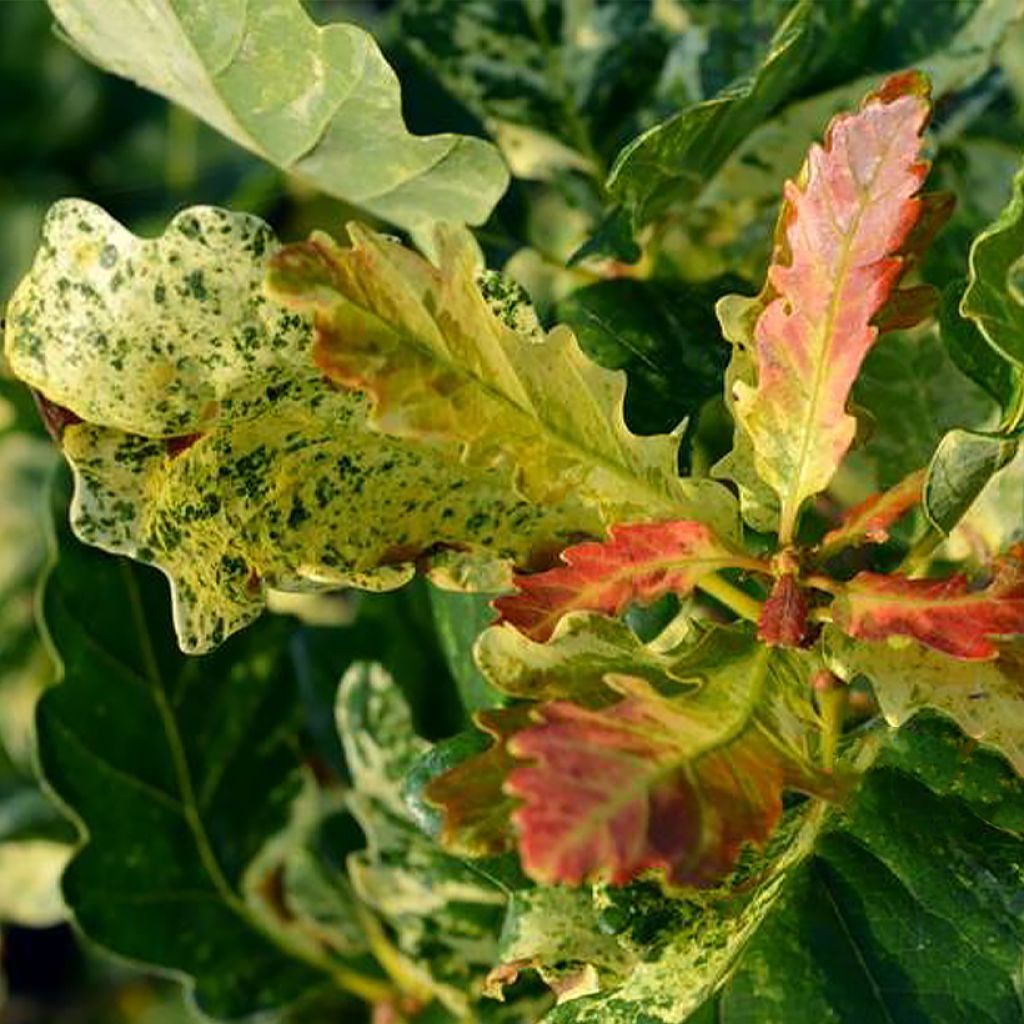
[(213, 448), (869, 522), (453, 358), (640, 563), (945, 614), (318, 101), (845, 222)]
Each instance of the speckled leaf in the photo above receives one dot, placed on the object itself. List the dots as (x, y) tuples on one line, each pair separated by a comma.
[(986, 700), (318, 101), (850, 911), (213, 448), (846, 220), (449, 356), (673, 783), (994, 297), (945, 614), (178, 771), (640, 563)]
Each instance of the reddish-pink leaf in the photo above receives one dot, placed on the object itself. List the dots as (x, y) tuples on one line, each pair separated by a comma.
[(869, 521), (640, 563), (654, 783), (846, 227), (783, 621), (945, 614)]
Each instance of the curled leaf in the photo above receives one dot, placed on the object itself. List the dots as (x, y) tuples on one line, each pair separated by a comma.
[(640, 563), (843, 229), (869, 522)]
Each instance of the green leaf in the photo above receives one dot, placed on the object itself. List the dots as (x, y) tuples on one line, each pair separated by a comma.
[(994, 297), (558, 85), (985, 699), (665, 337), (459, 619), (318, 102), (219, 453), (178, 772), (848, 915), (455, 357)]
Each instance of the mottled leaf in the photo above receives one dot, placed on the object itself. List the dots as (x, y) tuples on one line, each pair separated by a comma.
[(783, 621), (450, 357), (985, 700), (213, 448), (640, 563), (846, 220), (945, 614), (678, 784), (178, 771), (851, 909), (317, 101)]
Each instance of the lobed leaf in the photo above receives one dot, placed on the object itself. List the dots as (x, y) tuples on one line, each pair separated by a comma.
[(846, 221), (945, 614), (317, 101), (641, 562), (441, 365), (678, 784), (213, 448)]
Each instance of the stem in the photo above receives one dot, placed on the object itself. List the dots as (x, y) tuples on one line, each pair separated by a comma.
[(181, 160), (920, 554), (736, 600), (832, 697)]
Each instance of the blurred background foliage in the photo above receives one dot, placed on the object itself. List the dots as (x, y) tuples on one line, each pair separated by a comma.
[(67, 129)]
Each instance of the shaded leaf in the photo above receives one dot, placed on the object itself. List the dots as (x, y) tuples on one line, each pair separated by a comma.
[(218, 452), (985, 700), (845, 223), (177, 784), (319, 102), (459, 620), (449, 360), (676, 784), (640, 563), (945, 614)]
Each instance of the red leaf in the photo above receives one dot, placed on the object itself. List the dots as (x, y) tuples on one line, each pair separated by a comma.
[(639, 564), (869, 521), (944, 614), (850, 227), (783, 621), (655, 783)]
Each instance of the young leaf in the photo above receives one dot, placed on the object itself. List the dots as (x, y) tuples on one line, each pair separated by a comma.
[(678, 784), (317, 101), (783, 620), (869, 522), (986, 700), (441, 365), (177, 784), (849, 911), (846, 220), (640, 563), (212, 446), (945, 614)]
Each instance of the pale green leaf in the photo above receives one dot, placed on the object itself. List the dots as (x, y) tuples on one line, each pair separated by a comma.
[(318, 101), (451, 358), (214, 448)]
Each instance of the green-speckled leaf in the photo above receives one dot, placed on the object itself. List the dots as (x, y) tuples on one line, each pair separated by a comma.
[(178, 771), (318, 101), (873, 911), (452, 355), (445, 916), (214, 449)]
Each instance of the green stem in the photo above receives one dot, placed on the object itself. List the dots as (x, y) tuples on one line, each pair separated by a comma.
[(733, 598), (181, 160)]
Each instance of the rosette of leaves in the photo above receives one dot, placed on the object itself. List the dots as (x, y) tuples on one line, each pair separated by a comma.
[(672, 758)]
